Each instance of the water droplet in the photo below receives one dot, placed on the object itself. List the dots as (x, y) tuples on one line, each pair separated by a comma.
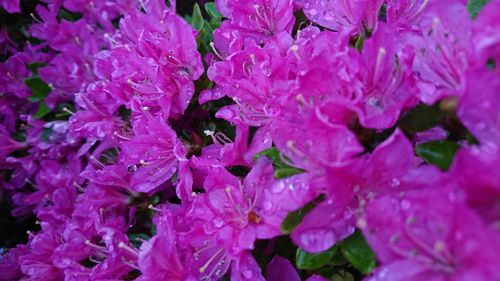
[(218, 222), (405, 204), (317, 239), (266, 69), (480, 126), (268, 206), (395, 182), (313, 12), (278, 187), (247, 274), (131, 168)]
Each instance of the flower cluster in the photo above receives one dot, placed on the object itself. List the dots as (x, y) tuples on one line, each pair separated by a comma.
[(320, 125)]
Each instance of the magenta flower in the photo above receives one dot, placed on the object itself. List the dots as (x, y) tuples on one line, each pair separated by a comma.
[(11, 6), (478, 107), (347, 190), (244, 73), (441, 43), (486, 39), (152, 161), (9, 263), (429, 234), (259, 18), (7, 144), (357, 16), (159, 258), (389, 86), (405, 12), (473, 171), (165, 55), (12, 75), (281, 269)]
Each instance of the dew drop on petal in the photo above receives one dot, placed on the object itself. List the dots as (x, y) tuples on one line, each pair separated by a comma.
[(131, 168), (317, 239), (405, 204), (278, 187), (268, 206), (247, 274), (218, 222), (395, 182), (313, 12)]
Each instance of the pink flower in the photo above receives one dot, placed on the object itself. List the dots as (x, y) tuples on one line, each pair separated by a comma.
[(388, 83), (259, 17), (357, 16), (7, 144), (429, 234), (346, 190), (474, 171), (159, 258), (441, 43), (152, 160), (9, 263), (281, 269), (485, 36), (244, 73), (478, 107), (11, 6)]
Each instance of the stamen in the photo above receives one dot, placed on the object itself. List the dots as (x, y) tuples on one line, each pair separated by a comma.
[(212, 46), (380, 56), (79, 187), (111, 39), (65, 109), (151, 207), (96, 161), (130, 263), (131, 250), (295, 51), (143, 6), (115, 133), (36, 19), (210, 260), (95, 246)]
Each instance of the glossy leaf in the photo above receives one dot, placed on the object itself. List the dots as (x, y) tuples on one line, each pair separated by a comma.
[(197, 18), (294, 218), (475, 6), (42, 111), (281, 170), (39, 89), (311, 261), (212, 10), (439, 153), (357, 251)]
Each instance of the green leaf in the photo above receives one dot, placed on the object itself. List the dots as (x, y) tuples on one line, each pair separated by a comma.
[(42, 111), (294, 218), (33, 67), (197, 18), (212, 10), (475, 6), (359, 42), (39, 89), (311, 261), (45, 135), (439, 153), (137, 238), (281, 170), (357, 251), (280, 173), (68, 15), (420, 118)]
